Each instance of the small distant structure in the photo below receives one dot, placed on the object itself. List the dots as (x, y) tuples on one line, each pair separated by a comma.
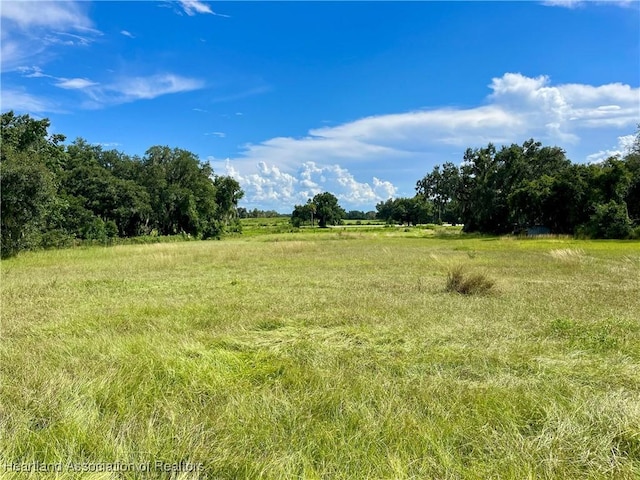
[(538, 230), (532, 231)]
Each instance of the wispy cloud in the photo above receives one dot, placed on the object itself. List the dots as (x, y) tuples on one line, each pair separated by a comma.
[(21, 101), (216, 134), (31, 29), (394, 146), (127, 34), (123, 90), (53, 15), (572, 4), (74, 83), (32, 72), (60, 82), (153, 86), (131, 89), (194, 7)]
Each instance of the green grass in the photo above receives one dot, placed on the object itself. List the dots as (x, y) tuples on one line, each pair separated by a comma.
[(325, 354)]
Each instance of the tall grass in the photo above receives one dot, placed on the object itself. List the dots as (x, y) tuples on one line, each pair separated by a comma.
[(333, 355), (465, 283)]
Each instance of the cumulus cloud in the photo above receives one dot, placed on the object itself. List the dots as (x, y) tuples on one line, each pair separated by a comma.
[(563, 109), (273, 187), (284, 170), (623, 147)]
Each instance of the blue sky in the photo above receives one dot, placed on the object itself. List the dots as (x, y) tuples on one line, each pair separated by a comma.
[(357, 98)]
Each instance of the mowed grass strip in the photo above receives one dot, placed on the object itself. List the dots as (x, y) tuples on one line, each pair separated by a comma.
[(325, 355)]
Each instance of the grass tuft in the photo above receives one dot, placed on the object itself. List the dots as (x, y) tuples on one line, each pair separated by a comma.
[(460, 281), (568, 255)]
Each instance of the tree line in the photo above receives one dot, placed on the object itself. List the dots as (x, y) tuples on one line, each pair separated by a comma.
[(54, 194), (517, 187), (514, 189)]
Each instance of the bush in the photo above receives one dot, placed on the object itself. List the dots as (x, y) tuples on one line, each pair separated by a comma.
[(610, 220), (459, 281), (56, 238)]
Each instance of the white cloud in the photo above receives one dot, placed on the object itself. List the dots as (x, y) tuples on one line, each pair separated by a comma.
[(131, 89), (283, 170), (124, 90), (74, 83), (572, 4), (193, 7), (127, 34), (23, 102), (30, 29), (32, 72), (56, 15), (271, 186), (624, 145), (563, 3), (565, 108), (155, 85), (216, 134)]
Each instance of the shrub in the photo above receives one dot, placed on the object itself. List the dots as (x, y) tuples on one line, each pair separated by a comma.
[(459, 281), (610, 220)]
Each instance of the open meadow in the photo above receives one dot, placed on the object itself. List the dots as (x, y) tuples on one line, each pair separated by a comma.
[(332, 354)]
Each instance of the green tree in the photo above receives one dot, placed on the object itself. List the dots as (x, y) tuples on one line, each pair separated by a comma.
[(300, 215), (228, 194), (440, 188), (90, 179), (29, 161), (386, 210), (355, 215), (609, 220), (412, 211), (27, 193), (327, 209), (182, 192)]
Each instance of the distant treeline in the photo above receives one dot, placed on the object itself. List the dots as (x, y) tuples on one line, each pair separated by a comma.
[(54, 194), (256, 213), (515, 188)]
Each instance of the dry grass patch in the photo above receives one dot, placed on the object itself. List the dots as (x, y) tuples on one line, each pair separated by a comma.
[(568, 255), (465, 283)]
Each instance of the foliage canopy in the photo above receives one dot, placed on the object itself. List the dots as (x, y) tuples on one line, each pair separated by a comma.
[(53, 194)]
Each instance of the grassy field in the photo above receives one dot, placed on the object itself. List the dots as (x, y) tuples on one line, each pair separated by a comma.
[(323, 354)]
